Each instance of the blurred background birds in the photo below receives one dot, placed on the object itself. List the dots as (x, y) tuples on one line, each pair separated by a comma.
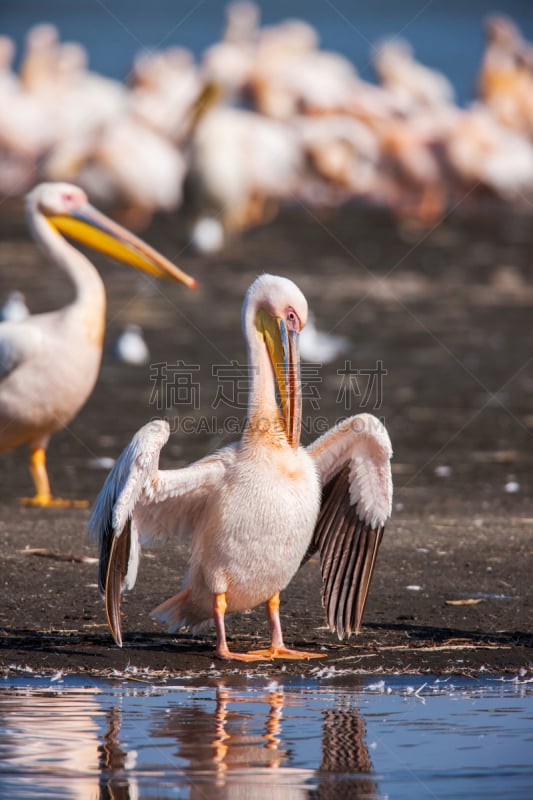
[(266, 117)]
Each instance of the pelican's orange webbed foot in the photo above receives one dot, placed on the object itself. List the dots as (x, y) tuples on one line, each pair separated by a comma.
[(47, 501), (228, 655), (43, 496), (277, 648), (286, 652)]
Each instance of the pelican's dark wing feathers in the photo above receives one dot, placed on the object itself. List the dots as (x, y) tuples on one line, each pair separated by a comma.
[(353, 461)]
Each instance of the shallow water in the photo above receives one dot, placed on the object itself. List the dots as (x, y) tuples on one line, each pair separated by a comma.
[(401, 737)]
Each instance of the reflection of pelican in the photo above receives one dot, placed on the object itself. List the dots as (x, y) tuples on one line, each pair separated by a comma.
[(46, 735), (239, 749), (49, 363), (207, 739), (345, 756), (255, 507), (243, 746), (116, 764)]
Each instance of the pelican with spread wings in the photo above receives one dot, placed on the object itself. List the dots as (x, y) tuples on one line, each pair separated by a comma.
[(258, 508), (49, 362)]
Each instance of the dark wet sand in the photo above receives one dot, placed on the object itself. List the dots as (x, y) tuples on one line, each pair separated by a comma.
[(449, 314)]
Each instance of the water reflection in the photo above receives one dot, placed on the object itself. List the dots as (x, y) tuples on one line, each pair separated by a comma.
[(250, 738), (116, 764), (226, 740), (345, 755), (45, 740), (240, 743), (228, 744)]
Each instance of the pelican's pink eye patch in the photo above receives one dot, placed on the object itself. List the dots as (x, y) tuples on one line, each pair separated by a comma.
[(292, 319)]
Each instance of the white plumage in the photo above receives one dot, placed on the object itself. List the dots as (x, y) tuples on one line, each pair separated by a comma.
[(255, 509), (49, 362)]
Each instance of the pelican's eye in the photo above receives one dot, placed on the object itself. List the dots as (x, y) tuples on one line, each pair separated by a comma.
[(292, 319), (69, 200)]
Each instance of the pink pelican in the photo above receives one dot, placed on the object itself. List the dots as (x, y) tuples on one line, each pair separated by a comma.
[(257, 508), (49, 362)]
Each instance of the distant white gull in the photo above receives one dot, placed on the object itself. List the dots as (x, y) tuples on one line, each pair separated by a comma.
[(208, 235), (130, 347), (319, 346), (15, 308)]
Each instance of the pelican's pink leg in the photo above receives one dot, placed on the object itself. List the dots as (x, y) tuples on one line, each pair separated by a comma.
[(277, 648), (223, 651)]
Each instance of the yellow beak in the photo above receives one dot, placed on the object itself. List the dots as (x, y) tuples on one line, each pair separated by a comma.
[(283, 350), (91, 227)]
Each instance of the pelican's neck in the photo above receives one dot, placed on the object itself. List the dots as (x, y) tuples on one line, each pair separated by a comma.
[(89, 287), (264, 416)]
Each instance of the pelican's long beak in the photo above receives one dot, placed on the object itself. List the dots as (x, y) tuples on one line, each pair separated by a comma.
[(91, 227), (283, 350)]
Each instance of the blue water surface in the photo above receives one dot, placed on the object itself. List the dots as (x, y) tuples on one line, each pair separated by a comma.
[(238, 737)]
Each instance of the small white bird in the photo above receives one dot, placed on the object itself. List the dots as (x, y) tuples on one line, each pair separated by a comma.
[(319, 346), (15, 308), (130, 347), (208, 235)]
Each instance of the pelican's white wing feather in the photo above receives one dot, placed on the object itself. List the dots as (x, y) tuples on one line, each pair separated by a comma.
[(171, 503), (133, 472), (139, 502), (353, 462)]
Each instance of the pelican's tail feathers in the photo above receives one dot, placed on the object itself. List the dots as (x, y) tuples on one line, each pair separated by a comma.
[(179, 611)]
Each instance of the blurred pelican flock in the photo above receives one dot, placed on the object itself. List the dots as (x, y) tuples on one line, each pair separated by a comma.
[(266, 117)]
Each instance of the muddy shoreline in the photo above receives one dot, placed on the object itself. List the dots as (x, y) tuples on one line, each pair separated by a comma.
[(447, 311)]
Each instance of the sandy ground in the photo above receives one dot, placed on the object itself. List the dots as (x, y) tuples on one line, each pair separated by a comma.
[(447, 312)]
